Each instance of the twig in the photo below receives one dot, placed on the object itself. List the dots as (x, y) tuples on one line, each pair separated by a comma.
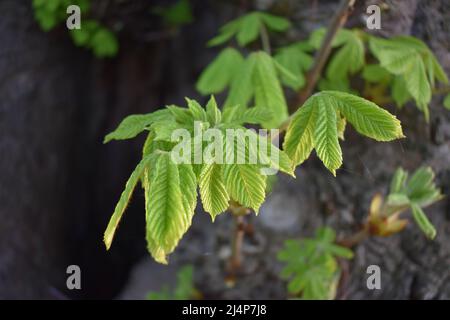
[(354, 239), (322, 55), (320, 58), (236, 247)]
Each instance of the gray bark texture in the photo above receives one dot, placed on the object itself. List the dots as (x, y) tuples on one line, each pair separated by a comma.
[(59, 183)]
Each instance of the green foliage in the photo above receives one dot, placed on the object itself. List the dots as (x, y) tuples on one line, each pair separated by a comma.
[(255, 78), (170, 188), (50, 13), (247, 28), (447, 102), (219, 73), (406, 67), (184, 289), (296, 59), (410, 59), (134, 124), (348, 58), (415, 193), (95, 37), (176, 15), (311, 265), (315, 125)]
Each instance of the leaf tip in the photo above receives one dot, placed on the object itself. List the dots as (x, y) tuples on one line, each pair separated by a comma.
[(107, 240)]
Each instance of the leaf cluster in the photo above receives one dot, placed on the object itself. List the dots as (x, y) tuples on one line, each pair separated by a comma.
[(414, 193), (92, 35), (311, 265), (170, 188)]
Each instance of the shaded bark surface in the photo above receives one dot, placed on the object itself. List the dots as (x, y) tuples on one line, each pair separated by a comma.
[(59, 184)]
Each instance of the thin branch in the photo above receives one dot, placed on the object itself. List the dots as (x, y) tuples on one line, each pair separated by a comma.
[(321, 57), (354, 239), (236, 247)]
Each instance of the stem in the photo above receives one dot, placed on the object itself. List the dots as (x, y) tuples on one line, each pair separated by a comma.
[(322, 55), (442, 90), (355, 239), (320, 58), (265, 39), (236, 247)]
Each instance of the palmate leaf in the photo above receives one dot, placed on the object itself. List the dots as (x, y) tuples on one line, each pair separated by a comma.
[(412, 60), (219, 73), (295, 59), (349, 58), (248, 27), (311, 266), (415, 193), (212, 190), (258, 79), (170, 187), (315, 125)]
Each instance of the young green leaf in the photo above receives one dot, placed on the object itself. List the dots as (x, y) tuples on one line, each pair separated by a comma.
[(212, 190), (294, 59), (349, 58), (268, 92), (123, 201), (168, 217), (134, 124), (311, 266), (423, 222), (375, 73), (219, 73), (315, 125), (247, 28), (299, 140), (244, 182), (447, 102), (411, 59), (251, 115), (212, 112), (326, 135), (400, 93), (417, 83), (241, 88), (398, 180), (366, 117), (198, 113)]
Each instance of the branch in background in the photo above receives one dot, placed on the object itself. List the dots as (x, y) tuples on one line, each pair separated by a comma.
[(321, 57)]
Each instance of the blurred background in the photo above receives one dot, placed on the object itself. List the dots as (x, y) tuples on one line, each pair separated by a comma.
[(59, 184)]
